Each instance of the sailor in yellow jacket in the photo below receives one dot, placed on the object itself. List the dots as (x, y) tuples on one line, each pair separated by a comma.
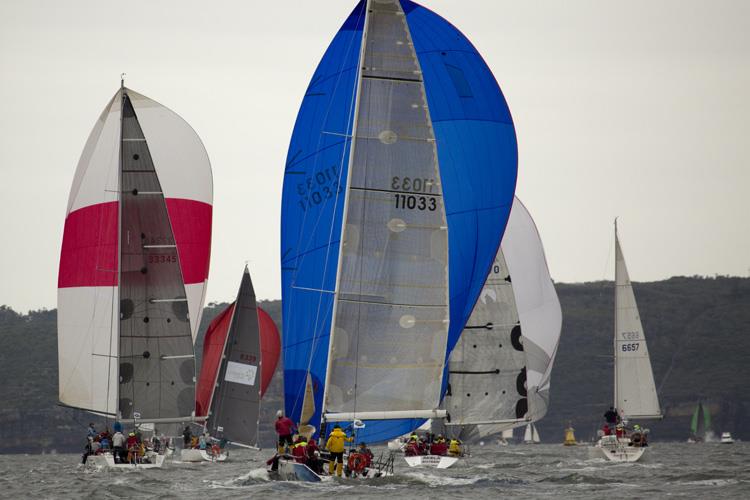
[(335, 446), (454, 449)]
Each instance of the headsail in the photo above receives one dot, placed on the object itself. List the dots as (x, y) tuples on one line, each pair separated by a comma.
[(474, 132), (635, 391), (232, 370), (136, 231)]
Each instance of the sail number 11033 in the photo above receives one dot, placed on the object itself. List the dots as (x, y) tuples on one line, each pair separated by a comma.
[(416, 201)]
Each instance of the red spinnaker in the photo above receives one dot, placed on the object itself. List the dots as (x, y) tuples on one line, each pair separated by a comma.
[(213, 350), (270, 347)]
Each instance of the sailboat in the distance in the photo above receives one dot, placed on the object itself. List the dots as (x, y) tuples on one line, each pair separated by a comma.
[(634, 388)]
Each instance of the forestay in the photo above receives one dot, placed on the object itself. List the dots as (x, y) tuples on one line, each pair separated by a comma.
[(635, 391)]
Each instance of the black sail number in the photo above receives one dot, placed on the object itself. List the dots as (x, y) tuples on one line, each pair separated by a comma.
[(414, 202)]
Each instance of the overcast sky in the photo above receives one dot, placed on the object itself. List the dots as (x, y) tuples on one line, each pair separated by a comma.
[(635, 109)]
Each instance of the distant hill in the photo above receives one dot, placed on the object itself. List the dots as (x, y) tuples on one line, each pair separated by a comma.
[(698, 330)]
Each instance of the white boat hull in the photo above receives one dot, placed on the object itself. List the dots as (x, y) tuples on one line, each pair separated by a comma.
[(196, 455), (619, 450), (108, 461), (434, 461), (290, 470)]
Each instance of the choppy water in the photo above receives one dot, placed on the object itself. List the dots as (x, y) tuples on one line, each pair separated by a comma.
[(523, 471)]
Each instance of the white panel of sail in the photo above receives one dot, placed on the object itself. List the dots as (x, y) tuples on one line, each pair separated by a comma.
[(538, 306), (185, 175), (635, 391), (87, 293), (391, 310), (488, 364)]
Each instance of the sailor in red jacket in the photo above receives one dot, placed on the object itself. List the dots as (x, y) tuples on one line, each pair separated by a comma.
[(299, 451), (285, 429)]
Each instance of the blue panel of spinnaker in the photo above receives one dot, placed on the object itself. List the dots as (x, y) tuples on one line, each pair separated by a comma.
[(311, 214)]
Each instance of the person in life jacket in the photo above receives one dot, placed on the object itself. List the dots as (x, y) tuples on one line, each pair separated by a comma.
[(284, 428), (132, 444), (636, 438), (335, 446), (365, 452), (439, 446), (412, 448), (454, 448), (299, 450)]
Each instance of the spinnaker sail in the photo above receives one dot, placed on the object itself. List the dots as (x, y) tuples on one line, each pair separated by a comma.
[(134, 264), (500, 369), (397, 188)]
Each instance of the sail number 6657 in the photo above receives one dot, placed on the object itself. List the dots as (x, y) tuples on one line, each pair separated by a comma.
[(630, 347)]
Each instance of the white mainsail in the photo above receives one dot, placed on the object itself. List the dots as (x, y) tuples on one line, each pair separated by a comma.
[(635, 391), (390, 319)]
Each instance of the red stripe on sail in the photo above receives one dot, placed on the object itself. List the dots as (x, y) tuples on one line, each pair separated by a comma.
[(191, 225), (270, 347), (89, 249), (213, 350)]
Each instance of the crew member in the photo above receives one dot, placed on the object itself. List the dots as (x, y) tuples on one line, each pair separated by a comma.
[(611, 416), (299, 450), (335, 446), (454, 449), (285, 429), (439, 446)]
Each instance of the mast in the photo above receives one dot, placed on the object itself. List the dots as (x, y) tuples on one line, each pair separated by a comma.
[(614, 329), (119, 246), (358, 89)]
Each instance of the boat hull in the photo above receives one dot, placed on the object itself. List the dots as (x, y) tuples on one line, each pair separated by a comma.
[(195, 455), (292, 471), (108, 461), (619, 449), (433, 461)]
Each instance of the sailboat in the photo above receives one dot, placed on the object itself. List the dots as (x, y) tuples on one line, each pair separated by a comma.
[(531, 435), (389, 218), (240, 353), (500, 369), (133, 268), (634, 389), (700, 424)]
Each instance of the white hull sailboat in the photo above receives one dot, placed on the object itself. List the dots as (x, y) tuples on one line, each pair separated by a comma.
[(133, 268), (432, 461), (531, 435), (634, 388)]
